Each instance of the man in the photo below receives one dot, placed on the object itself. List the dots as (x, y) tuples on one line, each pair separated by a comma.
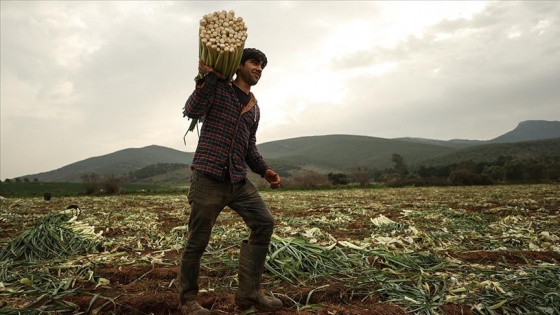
[(227, 143)]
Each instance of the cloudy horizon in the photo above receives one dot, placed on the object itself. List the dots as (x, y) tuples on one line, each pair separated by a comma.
[(84, 79)]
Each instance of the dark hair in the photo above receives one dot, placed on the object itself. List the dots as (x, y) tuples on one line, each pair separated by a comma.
[(254, 54)]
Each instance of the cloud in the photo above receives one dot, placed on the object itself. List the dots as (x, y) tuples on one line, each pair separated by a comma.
[(449, 88), (81, 79)]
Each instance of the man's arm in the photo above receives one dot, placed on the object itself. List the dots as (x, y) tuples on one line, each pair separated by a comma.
[(258, 165), (256, 162), (199, 102)]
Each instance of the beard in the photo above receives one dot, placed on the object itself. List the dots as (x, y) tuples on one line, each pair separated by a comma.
[(249, 77)]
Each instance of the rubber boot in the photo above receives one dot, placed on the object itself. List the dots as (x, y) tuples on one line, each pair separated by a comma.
[(251, 266), (188, 289)]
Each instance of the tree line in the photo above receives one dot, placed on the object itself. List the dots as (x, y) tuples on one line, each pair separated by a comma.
[(505, 170)]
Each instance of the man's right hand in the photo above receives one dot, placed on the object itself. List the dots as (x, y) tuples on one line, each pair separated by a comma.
[(272, 178), (204, 69)]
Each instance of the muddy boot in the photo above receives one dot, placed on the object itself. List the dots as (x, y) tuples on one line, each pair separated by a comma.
[(251, 266), (193, 308), (188, 289)]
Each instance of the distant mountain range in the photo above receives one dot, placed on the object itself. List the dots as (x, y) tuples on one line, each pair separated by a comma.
[(526, 131), (334, 153)]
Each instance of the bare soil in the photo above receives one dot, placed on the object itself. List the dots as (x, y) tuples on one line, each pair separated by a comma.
[(156, 293), (151, 289)]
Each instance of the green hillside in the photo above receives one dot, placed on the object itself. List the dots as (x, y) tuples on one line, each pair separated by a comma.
[(454, 143), (118, 163), (342, 152), (491, 152), (163, 173)]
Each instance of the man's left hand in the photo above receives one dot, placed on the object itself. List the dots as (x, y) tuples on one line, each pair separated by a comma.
[(272, 178)]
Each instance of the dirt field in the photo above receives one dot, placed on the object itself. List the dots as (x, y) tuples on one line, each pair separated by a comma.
[(480, 236)]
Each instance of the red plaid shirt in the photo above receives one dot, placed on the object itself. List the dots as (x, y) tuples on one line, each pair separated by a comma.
[(227, 142)]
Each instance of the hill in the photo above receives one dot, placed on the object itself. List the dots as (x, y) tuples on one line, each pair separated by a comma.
[(491, 152), (525, 131), (117, 163), (334, 153), (531, 130), (330, 153), (339, 153)]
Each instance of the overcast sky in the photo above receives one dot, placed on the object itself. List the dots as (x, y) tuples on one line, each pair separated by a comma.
[(82, 79)]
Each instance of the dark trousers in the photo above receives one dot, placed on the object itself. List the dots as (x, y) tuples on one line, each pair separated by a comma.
[(208, 197)]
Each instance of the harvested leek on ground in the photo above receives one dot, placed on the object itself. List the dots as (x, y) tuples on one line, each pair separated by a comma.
[(57, 235), (293, 259), (221, 42)]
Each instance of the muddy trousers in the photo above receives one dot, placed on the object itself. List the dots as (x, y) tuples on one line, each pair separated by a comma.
[(207, 198)]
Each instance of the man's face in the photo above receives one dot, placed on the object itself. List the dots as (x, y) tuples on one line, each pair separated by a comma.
[(250, 72)]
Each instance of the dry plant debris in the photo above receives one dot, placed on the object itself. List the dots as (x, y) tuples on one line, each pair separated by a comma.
[(451, 250)]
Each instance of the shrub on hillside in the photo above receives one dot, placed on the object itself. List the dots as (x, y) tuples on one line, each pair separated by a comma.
[(338, 178), (494, 172), (90, 183), (468, 177), (307, 179), (362, 175), (113, 184)]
